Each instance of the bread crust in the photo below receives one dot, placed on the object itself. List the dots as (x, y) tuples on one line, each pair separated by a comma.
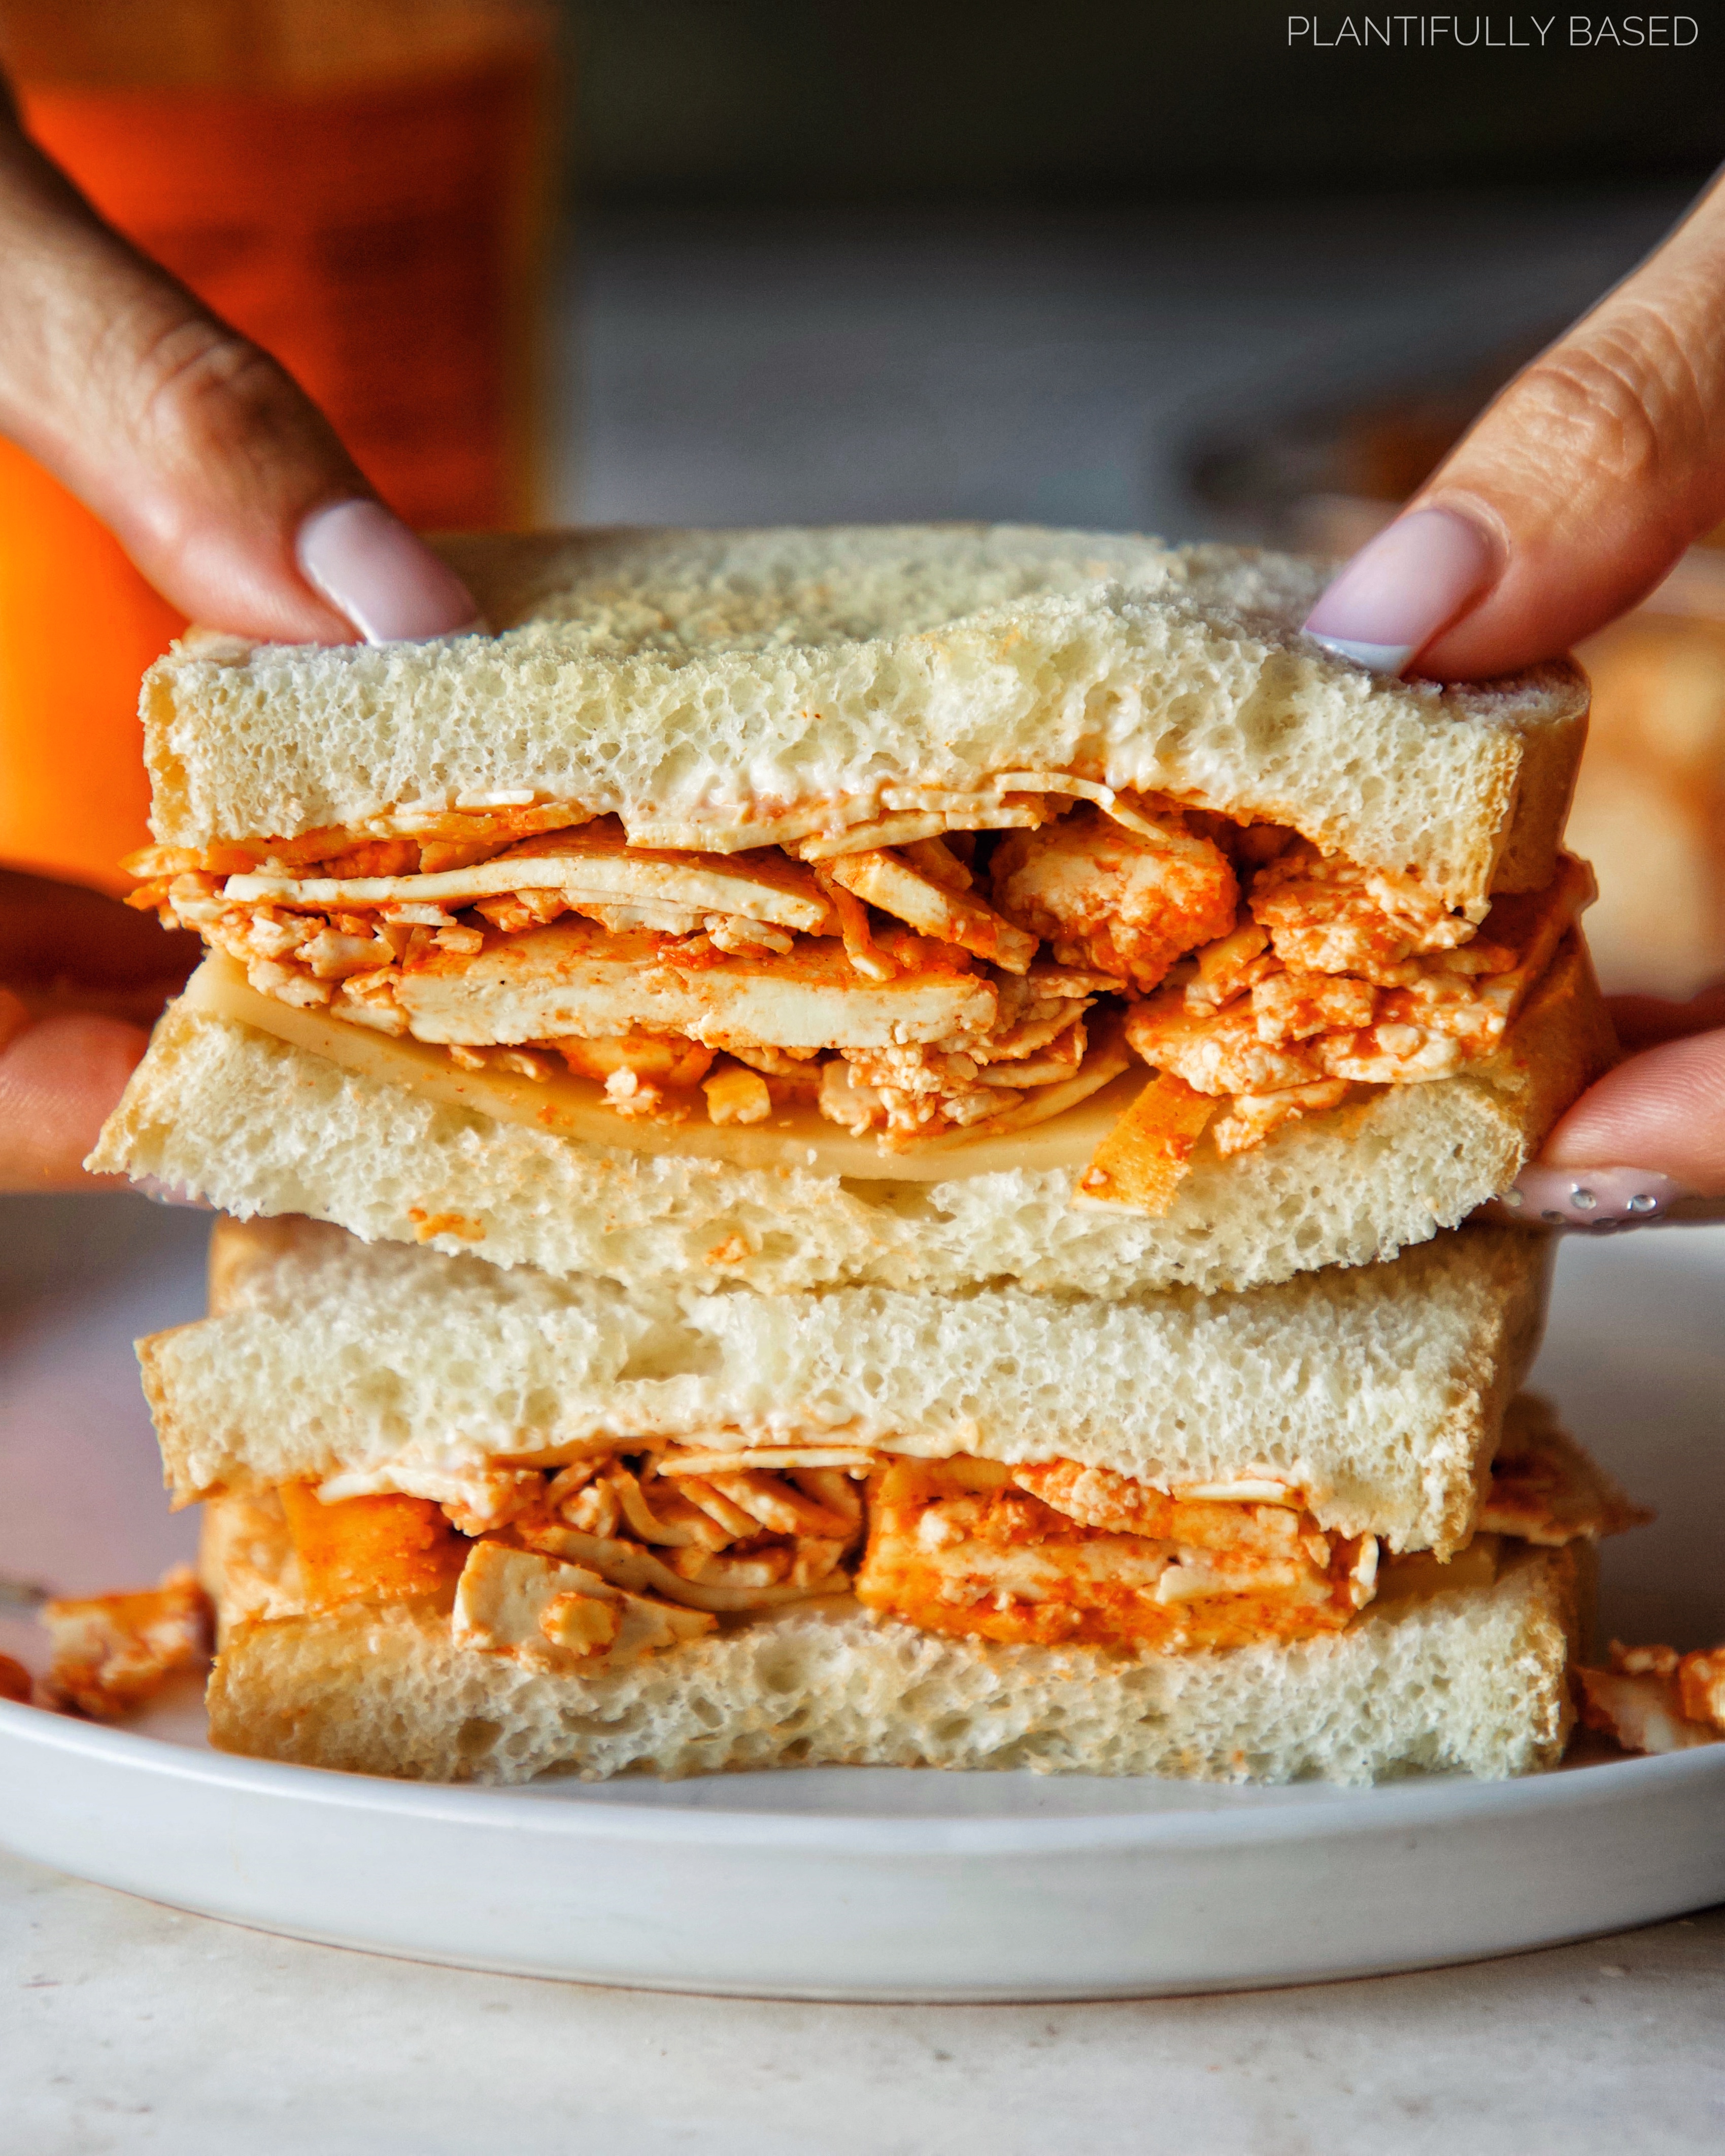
[(1380, 1393), (1469, 1680), (727, 685)]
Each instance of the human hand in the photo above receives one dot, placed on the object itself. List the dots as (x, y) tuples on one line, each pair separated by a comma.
[(215, 471), (1573, 494), (59, 1079), (1663, 1108), (81, 976), (232, 494)]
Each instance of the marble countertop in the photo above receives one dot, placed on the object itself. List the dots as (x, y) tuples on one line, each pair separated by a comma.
[(130, 2027)]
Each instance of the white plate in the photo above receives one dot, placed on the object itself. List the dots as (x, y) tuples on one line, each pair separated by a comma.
[(854, 1883)]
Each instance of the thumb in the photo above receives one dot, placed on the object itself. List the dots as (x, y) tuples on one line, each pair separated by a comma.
[(1663, 1110), (220, 478), (1572, 495), (60, 1079), (1651, 1132)]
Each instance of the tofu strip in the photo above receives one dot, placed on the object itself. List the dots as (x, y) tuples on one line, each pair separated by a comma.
[(885, 880), (581, 868), (576, 977)]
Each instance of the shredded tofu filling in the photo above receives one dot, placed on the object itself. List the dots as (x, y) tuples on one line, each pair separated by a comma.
[(1653, 1699), (1062, 1555), (638, 1545), (933, 971), (114, 1652), (633, 1546)]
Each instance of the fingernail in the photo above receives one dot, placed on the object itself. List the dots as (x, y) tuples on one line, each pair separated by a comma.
[(387, 581), (1396, 593), (1594, 1198)]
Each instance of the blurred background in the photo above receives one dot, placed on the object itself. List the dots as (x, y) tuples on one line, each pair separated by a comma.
[(1150, 266)]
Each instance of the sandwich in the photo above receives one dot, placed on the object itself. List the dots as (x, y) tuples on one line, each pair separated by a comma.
[(462, 1522), (902, 908), (847, 1147)]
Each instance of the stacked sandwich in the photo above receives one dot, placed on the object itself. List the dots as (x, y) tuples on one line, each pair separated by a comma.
[(854, 1145)]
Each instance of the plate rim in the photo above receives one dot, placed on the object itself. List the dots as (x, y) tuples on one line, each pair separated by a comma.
[(1394, 1807)]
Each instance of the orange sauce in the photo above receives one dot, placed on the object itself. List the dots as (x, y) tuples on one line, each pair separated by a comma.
[(370, 1549)]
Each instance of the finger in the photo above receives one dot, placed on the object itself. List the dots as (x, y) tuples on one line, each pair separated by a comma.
[(1572, 495), (1662, 1112), (220, 478), (60, 1080)]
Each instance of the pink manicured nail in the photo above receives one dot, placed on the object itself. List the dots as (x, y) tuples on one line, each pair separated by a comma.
[(1396, 593), (385, 579), (1593, 1197)]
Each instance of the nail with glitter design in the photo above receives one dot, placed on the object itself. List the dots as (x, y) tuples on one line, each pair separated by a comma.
[(1601, 1198)]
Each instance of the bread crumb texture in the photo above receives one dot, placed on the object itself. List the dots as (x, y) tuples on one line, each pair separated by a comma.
[(709, 678), (258, 1127), (1465, 1681), (1379, 1392)]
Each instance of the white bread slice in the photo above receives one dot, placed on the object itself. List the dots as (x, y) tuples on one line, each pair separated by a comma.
[(1380, 1392), (257, 1126), (722, 689), (1468, 1680)]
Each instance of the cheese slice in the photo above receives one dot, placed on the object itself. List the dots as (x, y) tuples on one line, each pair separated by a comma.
[(1057, 1127)]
